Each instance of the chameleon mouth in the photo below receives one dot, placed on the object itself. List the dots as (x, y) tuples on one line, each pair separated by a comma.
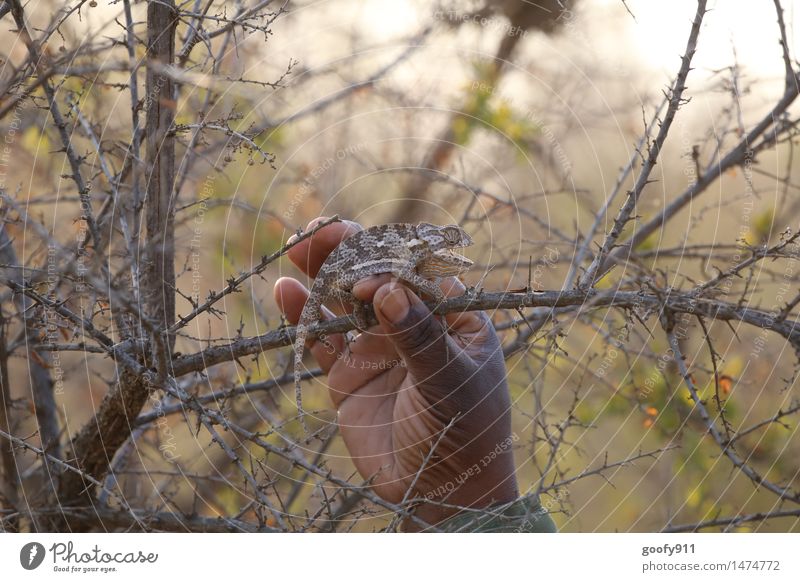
[(445, 263), (458, 256)]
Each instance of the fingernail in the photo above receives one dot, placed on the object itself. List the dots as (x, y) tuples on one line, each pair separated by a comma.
[(395, 305)]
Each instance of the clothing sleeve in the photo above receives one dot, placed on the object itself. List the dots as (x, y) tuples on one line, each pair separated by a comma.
[(525, 515)]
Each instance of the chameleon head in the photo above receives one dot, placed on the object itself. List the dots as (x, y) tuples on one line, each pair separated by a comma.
[(441, 240)]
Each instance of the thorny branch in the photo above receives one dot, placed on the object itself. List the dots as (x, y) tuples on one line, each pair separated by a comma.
[(676, 99), (113, 294)]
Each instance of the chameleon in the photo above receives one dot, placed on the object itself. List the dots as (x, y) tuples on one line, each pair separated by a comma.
[(417, 254)]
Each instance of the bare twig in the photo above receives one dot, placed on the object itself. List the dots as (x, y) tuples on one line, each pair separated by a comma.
[(9, 488), (588, 299), (234, 283), (72, 156), (653, 152), (741, 464), (606, 466), (736, 521)]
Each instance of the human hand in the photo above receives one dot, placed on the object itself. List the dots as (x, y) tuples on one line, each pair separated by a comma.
[(413, 383)]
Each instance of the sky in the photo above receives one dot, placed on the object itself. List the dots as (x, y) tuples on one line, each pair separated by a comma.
[(657, 36), (749, 25)]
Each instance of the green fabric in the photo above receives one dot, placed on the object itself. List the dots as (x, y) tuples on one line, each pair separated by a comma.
[(525, 515)]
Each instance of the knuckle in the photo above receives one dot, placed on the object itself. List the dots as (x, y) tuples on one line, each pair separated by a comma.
[(421, 333)]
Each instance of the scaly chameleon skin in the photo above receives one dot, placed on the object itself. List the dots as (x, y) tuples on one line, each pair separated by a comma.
[(415, 254)]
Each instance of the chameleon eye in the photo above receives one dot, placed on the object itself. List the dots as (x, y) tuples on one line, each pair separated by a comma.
[(451, 234)]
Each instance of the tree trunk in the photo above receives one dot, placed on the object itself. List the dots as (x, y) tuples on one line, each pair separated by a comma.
[(98, 441)]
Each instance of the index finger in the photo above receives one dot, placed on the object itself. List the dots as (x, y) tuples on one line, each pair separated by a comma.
[(310, 253)]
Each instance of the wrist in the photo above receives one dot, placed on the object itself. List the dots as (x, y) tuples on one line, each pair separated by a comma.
[(472, 489)]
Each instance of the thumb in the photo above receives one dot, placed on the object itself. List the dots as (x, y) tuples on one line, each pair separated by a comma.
[(416, 333)]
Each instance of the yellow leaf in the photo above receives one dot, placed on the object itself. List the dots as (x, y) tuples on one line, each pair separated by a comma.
[(33, 140), (762, 225), (733, 367), (694, 498)]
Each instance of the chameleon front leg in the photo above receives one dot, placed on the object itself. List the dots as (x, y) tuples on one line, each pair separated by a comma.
[(421, 283), (359, 307)]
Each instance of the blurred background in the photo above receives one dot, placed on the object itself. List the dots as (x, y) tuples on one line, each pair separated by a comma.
[(515, 120)]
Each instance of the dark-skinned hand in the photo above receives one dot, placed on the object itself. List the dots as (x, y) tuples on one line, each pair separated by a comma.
[(401, 383)]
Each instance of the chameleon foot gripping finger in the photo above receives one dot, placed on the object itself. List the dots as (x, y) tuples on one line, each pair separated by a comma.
[(413, 253)]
